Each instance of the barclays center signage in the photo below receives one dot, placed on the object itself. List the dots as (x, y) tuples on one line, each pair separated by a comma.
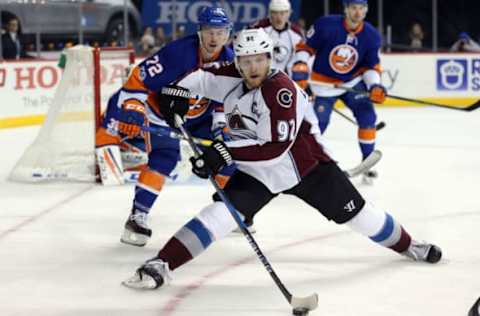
[(184, 12), (458, 74)]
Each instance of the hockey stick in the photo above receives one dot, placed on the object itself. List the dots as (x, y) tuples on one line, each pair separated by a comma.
[(364, 166), (378, 127), (475, 309), (469, 108), (168, 132), (300, 304)]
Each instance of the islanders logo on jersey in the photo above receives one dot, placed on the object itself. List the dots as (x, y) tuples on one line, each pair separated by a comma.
[(198, 106), (343, 58)]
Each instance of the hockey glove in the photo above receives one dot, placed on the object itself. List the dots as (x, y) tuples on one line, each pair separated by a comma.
[(131, 118), (214, 158), (378, 93), (300, 74), (173, 100)]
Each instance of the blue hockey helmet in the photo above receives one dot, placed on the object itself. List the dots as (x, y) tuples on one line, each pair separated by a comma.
[(349, 2), (213, 17)]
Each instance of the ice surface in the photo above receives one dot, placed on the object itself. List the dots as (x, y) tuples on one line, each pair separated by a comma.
[(60, 252)]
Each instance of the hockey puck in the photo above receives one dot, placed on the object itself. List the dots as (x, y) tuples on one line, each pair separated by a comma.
[(300, 311)]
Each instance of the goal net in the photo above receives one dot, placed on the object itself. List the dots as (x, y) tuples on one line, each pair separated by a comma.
[(65, 145)]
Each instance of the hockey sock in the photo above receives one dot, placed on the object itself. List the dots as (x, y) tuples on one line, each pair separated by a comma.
[(148, 187), (380, 227), (366, 140), (190, 241), (213, 223), (323, 125)]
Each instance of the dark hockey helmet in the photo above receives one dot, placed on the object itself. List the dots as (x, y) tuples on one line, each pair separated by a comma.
[(213, 17), (349, 2)]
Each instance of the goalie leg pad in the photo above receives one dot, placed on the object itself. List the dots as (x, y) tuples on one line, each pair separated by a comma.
[(109, 162)]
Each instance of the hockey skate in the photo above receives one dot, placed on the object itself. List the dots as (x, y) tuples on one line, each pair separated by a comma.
[(369, 176), (421, 251), (136, 231), (150, 276)]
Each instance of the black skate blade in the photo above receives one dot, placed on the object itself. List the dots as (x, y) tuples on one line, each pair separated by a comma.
[(300, 311)]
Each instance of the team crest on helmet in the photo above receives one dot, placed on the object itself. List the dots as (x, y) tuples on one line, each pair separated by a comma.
[(343, 58), (285, 97)]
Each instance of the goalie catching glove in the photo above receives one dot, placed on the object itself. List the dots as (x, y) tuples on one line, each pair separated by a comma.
[(131, 118), (173, 100), (214, 158)]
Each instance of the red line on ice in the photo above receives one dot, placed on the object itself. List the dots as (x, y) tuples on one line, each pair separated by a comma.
[(33, 218), (171, 306)]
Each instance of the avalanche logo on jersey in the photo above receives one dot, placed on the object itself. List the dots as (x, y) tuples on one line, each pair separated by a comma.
[(343, 58), (285, 98), (238, 126), (280, 52), (198, 106)]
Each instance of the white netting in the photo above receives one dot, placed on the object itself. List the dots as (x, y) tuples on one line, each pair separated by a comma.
[(65, 146)]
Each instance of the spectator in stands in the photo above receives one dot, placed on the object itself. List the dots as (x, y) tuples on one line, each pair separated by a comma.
[(11, 42), (147, 42), (465, 44), (416, 35), (160, 38), (180, 31)]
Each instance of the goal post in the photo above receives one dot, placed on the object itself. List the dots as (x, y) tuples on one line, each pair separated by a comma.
[(64, 148)]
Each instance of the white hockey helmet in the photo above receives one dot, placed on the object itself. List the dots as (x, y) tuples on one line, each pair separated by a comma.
[(252, 42), (279, 5)]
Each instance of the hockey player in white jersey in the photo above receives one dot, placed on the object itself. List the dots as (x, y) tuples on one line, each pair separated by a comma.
[(276, 153), (285, 34)]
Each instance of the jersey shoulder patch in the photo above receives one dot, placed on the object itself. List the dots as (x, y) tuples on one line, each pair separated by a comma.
[(279, 91), (297, 29)]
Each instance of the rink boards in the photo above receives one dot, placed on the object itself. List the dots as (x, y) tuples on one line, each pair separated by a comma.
[(28, 87)]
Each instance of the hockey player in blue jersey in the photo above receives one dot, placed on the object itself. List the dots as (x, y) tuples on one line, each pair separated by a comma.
[(137, 103), (346, 50)]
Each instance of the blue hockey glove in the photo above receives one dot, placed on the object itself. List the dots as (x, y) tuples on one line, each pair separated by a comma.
[(131, 118)]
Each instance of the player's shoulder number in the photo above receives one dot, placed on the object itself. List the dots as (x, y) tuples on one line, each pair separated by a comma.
[(153, 66)]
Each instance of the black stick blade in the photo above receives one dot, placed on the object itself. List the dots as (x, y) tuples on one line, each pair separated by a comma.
[(380, 125)]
